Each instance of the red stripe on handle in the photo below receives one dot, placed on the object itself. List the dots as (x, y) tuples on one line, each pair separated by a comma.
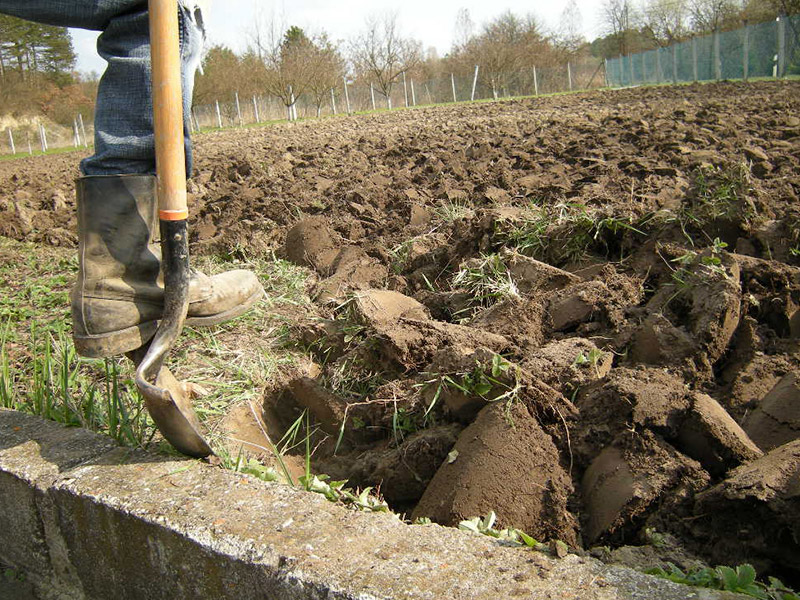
[(173, 215)]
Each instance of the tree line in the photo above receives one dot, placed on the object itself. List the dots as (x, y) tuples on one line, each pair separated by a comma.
[(289, 63), (37, 72)]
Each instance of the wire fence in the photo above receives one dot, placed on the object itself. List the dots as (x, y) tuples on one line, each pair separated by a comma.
[(770, 49), (355, 96)]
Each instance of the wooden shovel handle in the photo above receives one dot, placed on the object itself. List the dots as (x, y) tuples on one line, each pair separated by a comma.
[(168, 110)]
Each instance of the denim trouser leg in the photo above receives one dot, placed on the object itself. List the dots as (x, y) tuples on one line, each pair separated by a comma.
[(124, 140)]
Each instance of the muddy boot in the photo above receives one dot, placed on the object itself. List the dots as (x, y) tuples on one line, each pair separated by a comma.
[(118, 298)]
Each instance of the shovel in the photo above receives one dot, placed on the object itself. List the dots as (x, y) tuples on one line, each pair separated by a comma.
[(165, 398)]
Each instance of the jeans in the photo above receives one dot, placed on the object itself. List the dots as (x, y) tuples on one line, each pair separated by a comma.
[(124, 139)]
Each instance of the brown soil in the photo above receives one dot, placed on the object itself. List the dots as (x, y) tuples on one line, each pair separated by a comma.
[(652, 238)]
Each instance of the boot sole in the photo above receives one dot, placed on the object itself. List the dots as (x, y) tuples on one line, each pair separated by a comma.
[(116, 343)]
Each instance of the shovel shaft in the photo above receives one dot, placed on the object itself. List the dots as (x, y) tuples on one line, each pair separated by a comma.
[(169, 408), (168, 110)]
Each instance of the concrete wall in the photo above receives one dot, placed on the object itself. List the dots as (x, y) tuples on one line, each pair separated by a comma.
[(85, 519)]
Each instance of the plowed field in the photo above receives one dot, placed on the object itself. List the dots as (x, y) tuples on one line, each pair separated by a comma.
[(579, 312)]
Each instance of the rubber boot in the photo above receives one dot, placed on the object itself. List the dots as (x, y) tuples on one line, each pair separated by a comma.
[(118, 298)]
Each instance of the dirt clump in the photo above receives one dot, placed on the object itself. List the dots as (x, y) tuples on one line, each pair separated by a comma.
[(629, 399), (326, 408), (506, 463), (593, 305), (520, 320), (403, 473), (311, 243), (658, 342), (747, 381), (776, 420), (711, 436), (629, 480), (569, 364), (531, 275), (353, 270), (385, 306), (753, 516), (412, 343)]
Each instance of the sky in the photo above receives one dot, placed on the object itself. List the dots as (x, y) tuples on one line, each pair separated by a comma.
[(430, 21)]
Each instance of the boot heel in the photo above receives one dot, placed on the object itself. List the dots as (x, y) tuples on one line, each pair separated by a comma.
[(115, 343)]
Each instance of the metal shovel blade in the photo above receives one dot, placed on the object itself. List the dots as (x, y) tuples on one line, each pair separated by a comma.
[(165, 398), (169, 405)]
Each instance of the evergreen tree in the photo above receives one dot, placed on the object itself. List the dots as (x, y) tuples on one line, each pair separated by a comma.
[(31, 48)]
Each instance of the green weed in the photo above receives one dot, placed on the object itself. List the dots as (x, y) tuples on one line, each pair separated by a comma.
[(741, 580), (487, 280), (695, 269), (299, 435), (486, 526), (592, 359), (493, 383), (566, 232), (718, 193), (450, 211), (56, 384)]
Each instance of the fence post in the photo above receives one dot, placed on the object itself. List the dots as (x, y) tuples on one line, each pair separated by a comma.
[(372, 93), (219, 115), (675, 63), (535, 82), (75, 139), (30, 148), (717, 57), (659, 66), (630, 64), (238, 109), (405, 88), (293, 105), (569, 75), (11, 141), (694, 59), (413, 94), (255, 110), (474, 83), (746, 53), (42, 139), (83, 130), (346, 95), (605, 71), (782, 45), (453, 82), (333, 102)]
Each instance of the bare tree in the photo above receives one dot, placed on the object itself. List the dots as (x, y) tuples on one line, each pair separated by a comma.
[(381, 53), (325, 69), (619, 18), (464, 30), (570, 37), (666, 21), (713, 15), (266, 43), (506, 47)]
